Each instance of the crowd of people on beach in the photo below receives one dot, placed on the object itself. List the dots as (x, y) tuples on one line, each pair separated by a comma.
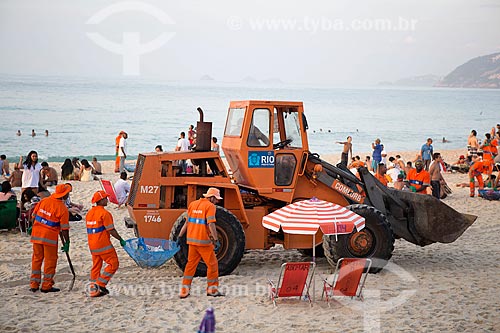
[(424, 173)]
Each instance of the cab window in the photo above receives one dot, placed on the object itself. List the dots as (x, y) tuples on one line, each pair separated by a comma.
[(284, 169), (258, 134)]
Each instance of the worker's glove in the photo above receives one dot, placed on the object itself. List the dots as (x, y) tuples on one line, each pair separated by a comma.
[(217, 246), (123, 242), (28, 231), (413, 188), (65, 247)]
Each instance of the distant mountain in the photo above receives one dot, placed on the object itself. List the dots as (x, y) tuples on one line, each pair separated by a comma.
[(480, 72), (252, 80), (206, 78), (415, 81)]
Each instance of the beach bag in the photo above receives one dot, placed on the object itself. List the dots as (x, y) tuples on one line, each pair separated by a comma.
[(150, 252)]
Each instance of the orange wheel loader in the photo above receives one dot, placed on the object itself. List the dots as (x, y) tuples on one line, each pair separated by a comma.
[(267, 166)]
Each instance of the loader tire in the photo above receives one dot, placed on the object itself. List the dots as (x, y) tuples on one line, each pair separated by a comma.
[(231, 237), (375, 241)]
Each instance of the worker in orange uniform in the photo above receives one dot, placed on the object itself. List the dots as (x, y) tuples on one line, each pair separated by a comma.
[(202, 241), (418, 179), (51, 218), (99, 228), (476, 171), (117, 150), (381, 174)]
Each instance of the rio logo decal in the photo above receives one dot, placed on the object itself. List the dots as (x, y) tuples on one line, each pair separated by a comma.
[(261, 159)]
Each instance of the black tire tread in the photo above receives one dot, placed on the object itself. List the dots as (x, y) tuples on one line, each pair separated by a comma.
[(333, 254)]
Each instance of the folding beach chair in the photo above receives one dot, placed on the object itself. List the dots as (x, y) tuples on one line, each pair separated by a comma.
[(108, 187), (348, 278), (8, 214), (294, 281)]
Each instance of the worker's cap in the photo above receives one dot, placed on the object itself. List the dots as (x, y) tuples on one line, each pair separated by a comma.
[(419, 163), (461, 157), (98, 196), (401, 176), (213, 192), (61, 191)]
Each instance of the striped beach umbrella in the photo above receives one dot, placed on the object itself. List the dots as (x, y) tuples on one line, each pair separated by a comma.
[(307, 216)]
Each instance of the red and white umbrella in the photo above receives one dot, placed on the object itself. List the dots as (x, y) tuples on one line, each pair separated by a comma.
[(307, 216)]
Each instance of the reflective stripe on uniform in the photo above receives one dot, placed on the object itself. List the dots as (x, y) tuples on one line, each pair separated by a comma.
[(50, 241), (107, 274), (48, 276), (187, 277), (212, 280), (197, 221), (418, 182), (36, 272), (42, 220), (100, 279), (36, 279), (210, 218), (212, 287), (102, 249), (109, 227), (199, 241), (95, 230)]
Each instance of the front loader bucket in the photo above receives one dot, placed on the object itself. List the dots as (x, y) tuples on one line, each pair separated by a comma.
[(433, 220)]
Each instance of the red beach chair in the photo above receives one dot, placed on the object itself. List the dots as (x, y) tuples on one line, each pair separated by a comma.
[(347, 279), (294, 281), (108, 187)]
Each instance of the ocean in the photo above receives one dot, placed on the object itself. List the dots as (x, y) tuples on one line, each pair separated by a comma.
[(84, 115)]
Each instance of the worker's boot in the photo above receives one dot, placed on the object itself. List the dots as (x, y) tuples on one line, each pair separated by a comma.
[(184, 293)]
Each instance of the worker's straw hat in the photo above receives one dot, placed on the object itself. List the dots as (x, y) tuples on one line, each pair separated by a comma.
[(213, 192)]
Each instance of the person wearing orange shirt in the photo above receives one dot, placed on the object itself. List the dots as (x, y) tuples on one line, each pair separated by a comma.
[(380, 175), (51, 218), (202, 241), (117, 150), (99, 228), (418, 179)]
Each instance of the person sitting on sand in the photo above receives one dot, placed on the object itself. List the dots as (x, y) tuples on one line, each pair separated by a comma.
[(6, 192), (122, 189), (97, 166), (76, 168), (4, 166), (74, 209), (16, 177), (461, 165), (399, 183), (49, 175), (86, 171), (67, 170)]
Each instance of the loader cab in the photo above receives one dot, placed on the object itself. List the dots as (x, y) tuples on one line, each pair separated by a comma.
[(266, 146)]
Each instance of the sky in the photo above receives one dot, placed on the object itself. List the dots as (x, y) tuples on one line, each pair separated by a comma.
[(342, 42)]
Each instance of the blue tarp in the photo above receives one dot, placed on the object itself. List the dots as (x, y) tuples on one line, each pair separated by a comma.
[(150, 252)]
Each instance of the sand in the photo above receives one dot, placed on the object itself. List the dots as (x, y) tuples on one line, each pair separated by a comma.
[(441, 287)]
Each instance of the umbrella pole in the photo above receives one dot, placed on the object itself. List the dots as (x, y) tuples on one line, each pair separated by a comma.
[(314, 260)]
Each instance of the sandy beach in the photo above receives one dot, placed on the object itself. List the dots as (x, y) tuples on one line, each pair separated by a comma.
[(441, 287)]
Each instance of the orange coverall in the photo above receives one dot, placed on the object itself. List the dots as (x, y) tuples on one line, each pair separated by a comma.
[(99, 222), (51, 216), (476, 170), (200, 213)]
